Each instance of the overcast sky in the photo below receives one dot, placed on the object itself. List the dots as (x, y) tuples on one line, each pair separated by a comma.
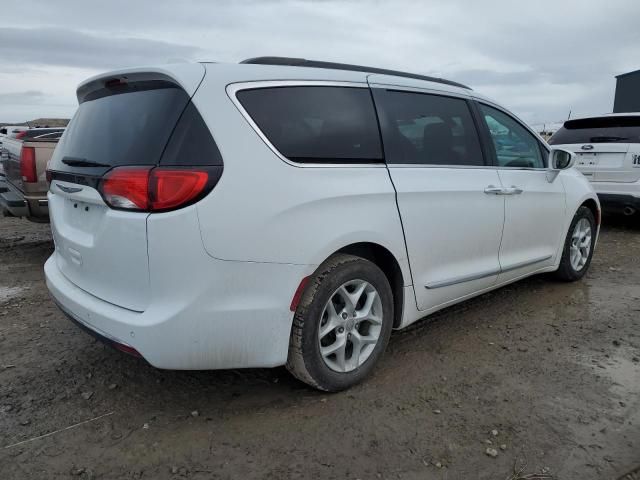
[(538, 58)]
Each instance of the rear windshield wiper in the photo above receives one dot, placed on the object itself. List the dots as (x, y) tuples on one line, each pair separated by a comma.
[(82, 162), (607, 139)]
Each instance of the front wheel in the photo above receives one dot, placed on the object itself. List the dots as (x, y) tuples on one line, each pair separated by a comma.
[(578, 246), (342, 325)]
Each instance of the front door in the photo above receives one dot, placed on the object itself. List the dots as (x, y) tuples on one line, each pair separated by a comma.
[(452, 226), (534, 206)]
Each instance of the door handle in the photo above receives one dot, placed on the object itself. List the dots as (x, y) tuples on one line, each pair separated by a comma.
[(513, 190), (493, 190)]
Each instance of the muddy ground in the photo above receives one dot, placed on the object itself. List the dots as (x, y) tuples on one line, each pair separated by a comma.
[(553, 369)]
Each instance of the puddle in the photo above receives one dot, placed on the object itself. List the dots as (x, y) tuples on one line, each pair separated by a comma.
[(618, 424), (7, 293), (625, 375)]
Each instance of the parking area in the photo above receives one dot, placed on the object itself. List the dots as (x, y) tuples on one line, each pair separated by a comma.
[(541, 375)]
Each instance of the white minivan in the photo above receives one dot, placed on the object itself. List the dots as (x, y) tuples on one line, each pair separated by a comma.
[(293, 212), (607, 152)]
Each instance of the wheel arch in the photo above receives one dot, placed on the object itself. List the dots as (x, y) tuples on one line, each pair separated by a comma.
[(390, 266), (592, 205)]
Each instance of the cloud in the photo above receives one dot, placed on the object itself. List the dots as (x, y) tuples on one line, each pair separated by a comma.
[(67, 47), (540, 59), (30, 97)]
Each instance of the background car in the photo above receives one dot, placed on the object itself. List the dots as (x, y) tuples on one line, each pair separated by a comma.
[(608, 154), (24, 158)]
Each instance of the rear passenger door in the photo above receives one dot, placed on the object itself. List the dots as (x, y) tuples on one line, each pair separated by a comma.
[(452, 221)]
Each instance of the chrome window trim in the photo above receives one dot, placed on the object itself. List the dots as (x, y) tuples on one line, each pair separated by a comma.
[(428, 91), (474, 167), (233, 88), (489, 273)]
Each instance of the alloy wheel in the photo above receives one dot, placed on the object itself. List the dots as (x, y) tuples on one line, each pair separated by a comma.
[(350, 326), (580, 244)]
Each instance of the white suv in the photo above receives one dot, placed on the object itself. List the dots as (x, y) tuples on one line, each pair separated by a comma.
[(292, 212), (608, 153)]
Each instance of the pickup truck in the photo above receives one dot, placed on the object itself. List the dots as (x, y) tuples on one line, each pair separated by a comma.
[(9, 131), (23, 188)]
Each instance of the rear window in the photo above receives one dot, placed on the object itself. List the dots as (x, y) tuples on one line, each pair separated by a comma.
[(317, 124), (133, 128), (43, 133), (48, 136), (614, 129)]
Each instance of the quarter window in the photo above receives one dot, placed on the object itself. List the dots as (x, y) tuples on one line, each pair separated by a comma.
[(515, 146), (317, 124), (427, 129)]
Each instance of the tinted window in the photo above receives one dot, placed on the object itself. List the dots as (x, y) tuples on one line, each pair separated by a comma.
[(130, 128), (39, 132), (514, 145), (47, 136), (317, 124), (427, 129), (612, 129), (191, 142)]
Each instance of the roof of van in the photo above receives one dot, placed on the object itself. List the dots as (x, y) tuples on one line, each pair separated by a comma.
[(268, 70), (271, 71), (303, 62)]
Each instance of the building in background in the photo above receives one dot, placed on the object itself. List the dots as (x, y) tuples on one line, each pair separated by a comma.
[(627, 93)]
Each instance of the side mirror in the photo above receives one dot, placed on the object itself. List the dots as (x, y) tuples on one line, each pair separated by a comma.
[(560, 159)]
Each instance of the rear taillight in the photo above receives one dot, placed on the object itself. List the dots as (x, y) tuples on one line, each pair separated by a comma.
[(127, 187), (172, 188), (153, 189), (28, 165)]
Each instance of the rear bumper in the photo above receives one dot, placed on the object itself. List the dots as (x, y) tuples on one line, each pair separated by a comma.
[(99, 335), (619, 203), (18, 204), (234, 315), (12, 200)]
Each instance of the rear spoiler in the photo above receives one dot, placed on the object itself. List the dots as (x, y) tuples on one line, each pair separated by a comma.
[(187, 76), (124, 83)]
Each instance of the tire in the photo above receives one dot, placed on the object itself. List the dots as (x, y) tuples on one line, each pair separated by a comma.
[(567, 271), (306, 360)]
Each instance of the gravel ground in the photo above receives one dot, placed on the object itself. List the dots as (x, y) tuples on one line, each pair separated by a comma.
[(541, 375)]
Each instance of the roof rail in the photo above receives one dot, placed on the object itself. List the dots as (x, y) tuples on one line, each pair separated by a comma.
[(302, 62)]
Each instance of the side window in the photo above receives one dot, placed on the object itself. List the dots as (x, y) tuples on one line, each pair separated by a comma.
[(317, 124), (515, 146), (427, 129)]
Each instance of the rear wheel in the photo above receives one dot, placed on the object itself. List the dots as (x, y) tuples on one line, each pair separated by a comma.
[(578, 246), (342, 324)]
